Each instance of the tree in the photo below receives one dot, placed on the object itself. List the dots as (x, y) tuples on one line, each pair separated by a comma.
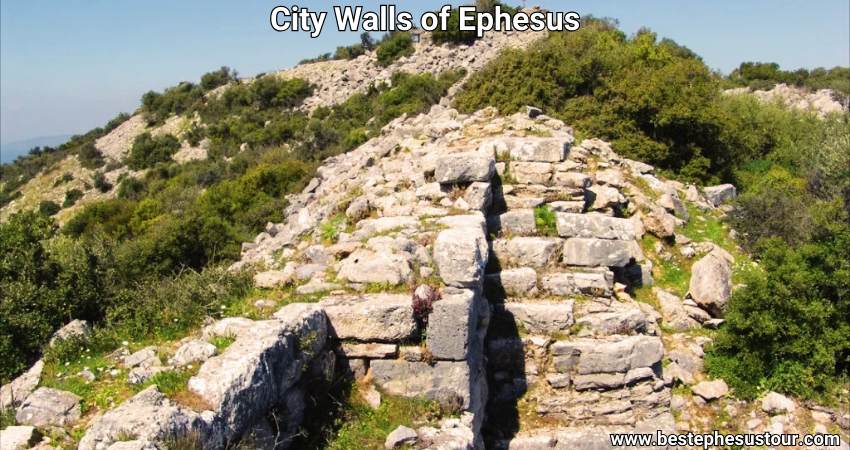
[(367, 41)]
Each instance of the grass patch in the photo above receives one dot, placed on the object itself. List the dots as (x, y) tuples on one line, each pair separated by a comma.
[(222, 342), (547, 221)]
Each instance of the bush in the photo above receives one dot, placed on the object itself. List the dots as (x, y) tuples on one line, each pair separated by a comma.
[(71, 197), (43, 283), (788, 330), (48, 208), (100, 182), (218, 78), (148, 151), (654, 101), (393, 48)]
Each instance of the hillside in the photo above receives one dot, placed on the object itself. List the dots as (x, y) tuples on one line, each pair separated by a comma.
[(529, 241)]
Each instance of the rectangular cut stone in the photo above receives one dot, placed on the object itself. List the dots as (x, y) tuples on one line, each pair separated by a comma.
[(440, 381), (460, 255), (595, 226), (596, 253), (526, 251), (518, 223), (374, 351), (540, 150), (371, 318), (541, 317), (465, 168), (531, 172), (451, 326)]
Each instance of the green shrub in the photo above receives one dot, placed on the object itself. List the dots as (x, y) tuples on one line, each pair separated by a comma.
[(65, 178), (218, 78), (71, 197), (48, 208), (788, 330), (43, 283), (90, 156), (100, 182), (393, 48), (148, 151), (547, 221)]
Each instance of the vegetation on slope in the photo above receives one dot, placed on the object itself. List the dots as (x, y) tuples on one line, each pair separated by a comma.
[(129, 263), (764, 76)]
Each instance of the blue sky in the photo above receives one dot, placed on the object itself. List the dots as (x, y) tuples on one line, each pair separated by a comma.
[(66, 67)]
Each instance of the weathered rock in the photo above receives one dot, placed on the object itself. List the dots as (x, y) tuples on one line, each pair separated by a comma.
[(589, 357), (18, 390), (711, 390), (76, 329), (711, 281), (308, 323), (673, 312), (596, 252), (521, 282), (594, 226), (774, 402), (540, 317), (579, 283), (518, 222), (604, 381), (373, 317), (527, 251), (275, 278), (540, 150), (250, 376), (139, 375), (48, 406), (531, 172), (465, 168), (660, 223), (625, 321), (479, 196), (364, 266), (440, 381), (145, 357), (358, 208), (194, 350), (149, 416), (606, 197), (572, 179), (460, 255), (567, 207), (19, 438), (400, 436), (451, 326), (716, 195), (372, 397), (371, 351)]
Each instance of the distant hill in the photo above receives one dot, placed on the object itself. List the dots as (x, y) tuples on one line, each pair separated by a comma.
[(10, 151)]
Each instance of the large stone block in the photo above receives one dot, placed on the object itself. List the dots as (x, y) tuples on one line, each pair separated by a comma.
[(517, 282), (711, 281), (48, 406), (245, 381), (150, 416), (596, 252), (540, 150), (451, 326), (460, 255), (364, 266), (541, 317), (518, 223), (440, 381), (527, 251), (595, 226), (465, 168), (531, 172), (372, 317), (716, 195), (621, 356), (19, 438)]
